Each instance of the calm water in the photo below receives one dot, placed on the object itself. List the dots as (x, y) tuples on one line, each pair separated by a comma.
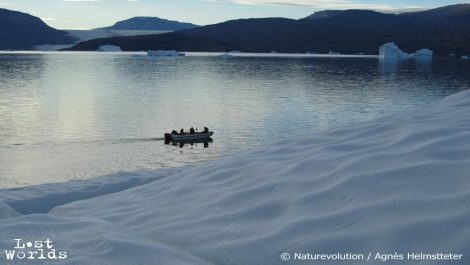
[(72, 116)]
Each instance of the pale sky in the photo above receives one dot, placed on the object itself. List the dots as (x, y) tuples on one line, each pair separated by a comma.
[(87, 14)]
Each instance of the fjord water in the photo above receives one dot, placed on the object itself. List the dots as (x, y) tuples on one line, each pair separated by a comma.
[(67, 116)]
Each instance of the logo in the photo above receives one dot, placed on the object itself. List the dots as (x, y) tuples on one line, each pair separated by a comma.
[(34, 250)]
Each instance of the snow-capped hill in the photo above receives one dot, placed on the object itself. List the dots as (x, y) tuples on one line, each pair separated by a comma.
[(397, 184), (150, 23)]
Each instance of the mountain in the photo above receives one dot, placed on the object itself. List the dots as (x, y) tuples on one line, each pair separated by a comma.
[(349, 31), (21, 31), (324, 14), (150, 23), (453, 17)]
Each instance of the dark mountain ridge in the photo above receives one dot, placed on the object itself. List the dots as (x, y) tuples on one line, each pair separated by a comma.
[(443, 30), (449, 17), (21, 31)]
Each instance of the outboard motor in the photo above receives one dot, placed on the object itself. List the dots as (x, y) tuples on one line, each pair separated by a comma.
[(167, 137)]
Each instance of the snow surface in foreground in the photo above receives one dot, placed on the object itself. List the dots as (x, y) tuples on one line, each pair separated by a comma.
[(396, 184)]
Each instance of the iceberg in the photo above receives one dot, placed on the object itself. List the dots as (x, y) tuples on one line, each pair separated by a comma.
[(396, 184), (171, 53), (109, 48), (391, 51), (423, 53)]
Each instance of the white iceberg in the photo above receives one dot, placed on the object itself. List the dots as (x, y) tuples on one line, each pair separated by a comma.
[(171, 53), (109, 48), (391, 51), (396, 184)]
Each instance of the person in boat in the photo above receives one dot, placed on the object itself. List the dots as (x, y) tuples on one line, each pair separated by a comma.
[(174, 132), (182, 131), (206, 130), (191, 131)]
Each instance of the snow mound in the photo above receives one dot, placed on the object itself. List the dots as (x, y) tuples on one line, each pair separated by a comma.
[(395, 184), (42, 198), (89, 241)]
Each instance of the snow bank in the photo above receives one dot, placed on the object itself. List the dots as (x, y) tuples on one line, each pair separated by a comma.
[(42, 198), (396, 184)]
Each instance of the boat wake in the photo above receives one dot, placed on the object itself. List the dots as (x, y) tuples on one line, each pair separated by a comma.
[(82, 142), (135, 140)]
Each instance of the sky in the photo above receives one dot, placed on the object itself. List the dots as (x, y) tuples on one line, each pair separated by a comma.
[(89, 14)]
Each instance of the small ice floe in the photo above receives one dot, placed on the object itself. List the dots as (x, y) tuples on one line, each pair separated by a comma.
[(333, 53), (171, 53), (109, 48), (465, 57), (225, 56)]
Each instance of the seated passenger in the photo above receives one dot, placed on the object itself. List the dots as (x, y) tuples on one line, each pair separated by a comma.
[(206, 130), (182, 131), (191, 131)]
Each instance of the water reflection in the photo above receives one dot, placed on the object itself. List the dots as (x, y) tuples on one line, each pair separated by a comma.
[(422, 64), (193, 143), (388, 66)]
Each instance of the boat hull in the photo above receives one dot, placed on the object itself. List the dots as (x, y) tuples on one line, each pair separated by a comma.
[(188, 137)]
